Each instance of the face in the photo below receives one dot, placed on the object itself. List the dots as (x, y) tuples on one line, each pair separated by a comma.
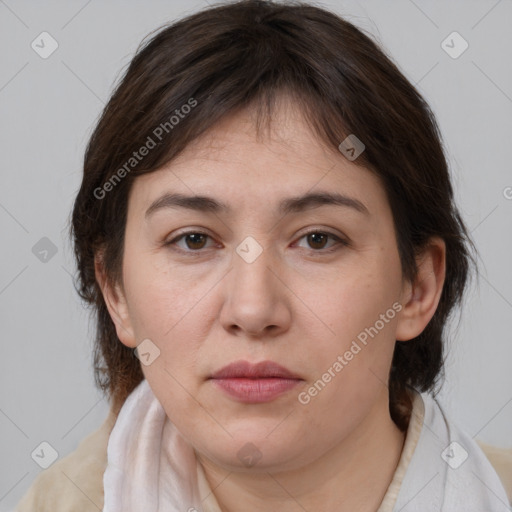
[(315, 287)]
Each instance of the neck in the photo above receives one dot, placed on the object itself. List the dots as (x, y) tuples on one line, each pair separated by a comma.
[(353, 476)]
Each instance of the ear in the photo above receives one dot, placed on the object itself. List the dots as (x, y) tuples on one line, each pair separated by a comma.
[(115, 301), (421, 297)]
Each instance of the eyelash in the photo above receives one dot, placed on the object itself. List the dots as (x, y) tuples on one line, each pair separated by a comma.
[(197, 252)]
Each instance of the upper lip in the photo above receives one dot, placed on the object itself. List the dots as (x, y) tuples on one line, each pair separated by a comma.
[(263, 369)]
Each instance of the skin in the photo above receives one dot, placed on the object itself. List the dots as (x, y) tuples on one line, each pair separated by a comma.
[(296, 304)]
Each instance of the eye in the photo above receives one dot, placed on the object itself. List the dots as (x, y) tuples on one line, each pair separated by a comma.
[(317, 240), (194, 241)]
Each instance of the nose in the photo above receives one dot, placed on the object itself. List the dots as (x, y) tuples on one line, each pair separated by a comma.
[(257, 300)]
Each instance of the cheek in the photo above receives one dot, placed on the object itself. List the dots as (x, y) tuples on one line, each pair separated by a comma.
[(160, 299), (175, 310), (353, 316), (343, 307)]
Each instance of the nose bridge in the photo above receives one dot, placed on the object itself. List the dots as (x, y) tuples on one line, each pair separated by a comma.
[(251, 263), (255, 298)]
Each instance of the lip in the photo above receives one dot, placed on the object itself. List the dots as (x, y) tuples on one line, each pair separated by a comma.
[(263, 369), (255, 383)]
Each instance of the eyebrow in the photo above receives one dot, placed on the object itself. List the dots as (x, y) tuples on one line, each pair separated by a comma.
[(289, 205)]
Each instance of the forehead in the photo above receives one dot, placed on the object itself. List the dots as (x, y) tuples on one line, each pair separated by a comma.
[(236, 163)]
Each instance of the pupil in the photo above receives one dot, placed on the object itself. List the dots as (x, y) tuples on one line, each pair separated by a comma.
[(195, 237), (315, 235)]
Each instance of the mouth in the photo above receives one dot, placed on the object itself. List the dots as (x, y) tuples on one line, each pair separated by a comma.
[(255, 383), (262, 370)]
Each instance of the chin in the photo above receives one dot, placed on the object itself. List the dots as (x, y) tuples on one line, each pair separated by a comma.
[(257, 454)]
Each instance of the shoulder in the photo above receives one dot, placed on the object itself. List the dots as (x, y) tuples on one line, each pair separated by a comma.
[(501, 460), (476, 469), (74, 483)]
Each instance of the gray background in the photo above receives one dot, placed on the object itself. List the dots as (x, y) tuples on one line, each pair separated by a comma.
[(48, 108)]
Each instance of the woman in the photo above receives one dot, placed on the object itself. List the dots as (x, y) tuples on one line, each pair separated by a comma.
[(267, 233)]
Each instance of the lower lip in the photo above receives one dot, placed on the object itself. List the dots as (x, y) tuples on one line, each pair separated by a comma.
[(255, 391)]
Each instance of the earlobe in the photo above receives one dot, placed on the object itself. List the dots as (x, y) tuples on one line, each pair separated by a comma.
[(421, 298), (115, 301)]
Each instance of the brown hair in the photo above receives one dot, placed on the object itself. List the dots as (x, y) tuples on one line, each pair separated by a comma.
[(232, 56)]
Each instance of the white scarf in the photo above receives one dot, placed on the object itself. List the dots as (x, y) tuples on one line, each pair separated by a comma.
[(151, 467)]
